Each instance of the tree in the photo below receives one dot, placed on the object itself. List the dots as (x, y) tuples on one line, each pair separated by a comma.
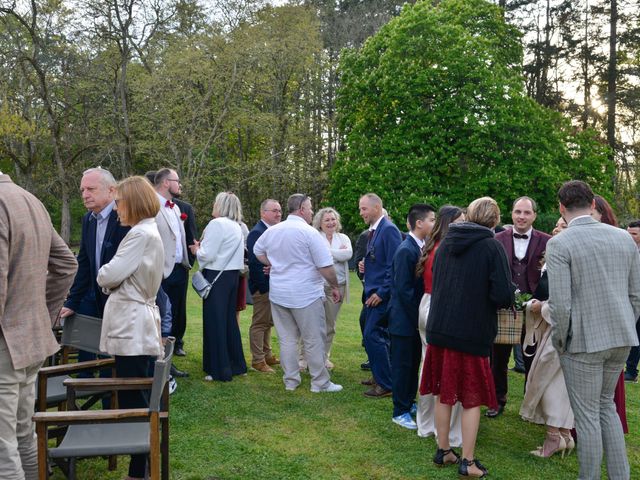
[(433, 107)]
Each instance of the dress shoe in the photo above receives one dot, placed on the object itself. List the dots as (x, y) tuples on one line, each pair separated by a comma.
[(369, 382), (518, 370), (491, 413), (377, 392), (178, 373), (630, 378), (262, 367), (179, 351), (271, 361), (365, 366)]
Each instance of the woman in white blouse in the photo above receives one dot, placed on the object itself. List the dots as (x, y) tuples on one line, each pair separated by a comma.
[(131, 322), (327, 221), (220, 254)]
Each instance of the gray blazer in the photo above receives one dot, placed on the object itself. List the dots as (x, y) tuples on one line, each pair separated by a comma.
[(594, 287)]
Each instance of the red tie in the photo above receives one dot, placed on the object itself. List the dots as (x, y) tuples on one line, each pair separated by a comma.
[(169, 204)]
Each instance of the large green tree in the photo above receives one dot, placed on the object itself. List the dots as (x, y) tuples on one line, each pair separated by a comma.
[(433, 107)]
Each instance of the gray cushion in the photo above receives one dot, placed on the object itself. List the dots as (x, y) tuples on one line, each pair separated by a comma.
[(103, 439)]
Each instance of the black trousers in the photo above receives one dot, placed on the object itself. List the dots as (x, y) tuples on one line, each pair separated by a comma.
[(222, 355), (175, 286), (406, 353), (131, 367)]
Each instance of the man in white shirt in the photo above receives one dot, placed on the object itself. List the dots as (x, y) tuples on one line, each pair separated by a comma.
[(299, 260)]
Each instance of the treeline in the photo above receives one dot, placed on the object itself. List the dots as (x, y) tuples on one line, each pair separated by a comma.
[(243, 95)]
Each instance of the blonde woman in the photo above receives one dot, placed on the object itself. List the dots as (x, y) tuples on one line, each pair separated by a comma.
[(220, 254), (131, 322), (327, 222)]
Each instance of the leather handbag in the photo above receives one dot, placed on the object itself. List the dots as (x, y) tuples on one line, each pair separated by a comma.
[(201, 285)]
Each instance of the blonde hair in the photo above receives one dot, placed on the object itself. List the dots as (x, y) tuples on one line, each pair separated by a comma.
[(227, 205), (137, 200), (484, 211), (317, 219)]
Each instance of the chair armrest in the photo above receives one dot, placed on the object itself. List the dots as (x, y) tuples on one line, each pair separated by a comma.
[(92, 416), (69, 368), (106, 384)]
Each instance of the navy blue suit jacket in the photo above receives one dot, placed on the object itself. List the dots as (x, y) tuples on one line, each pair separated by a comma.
[(378, 259), (85, 281), (406, 290), (258, 281)]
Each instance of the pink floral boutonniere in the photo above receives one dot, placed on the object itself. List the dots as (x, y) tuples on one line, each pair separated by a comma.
[(183, 216)]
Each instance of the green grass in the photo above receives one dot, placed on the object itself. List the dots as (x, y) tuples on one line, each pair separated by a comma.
[(251, 428)]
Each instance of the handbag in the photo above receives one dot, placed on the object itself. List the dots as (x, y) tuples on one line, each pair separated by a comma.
[(509, 327), (201, 285)]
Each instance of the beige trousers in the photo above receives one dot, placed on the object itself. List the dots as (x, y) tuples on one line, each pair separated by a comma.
[(305, 324), (331, 311), (18, 447), (260, 329)]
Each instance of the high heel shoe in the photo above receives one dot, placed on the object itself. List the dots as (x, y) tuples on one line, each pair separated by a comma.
[(440, 458), (463, 469), (569, 442), (553, 443)]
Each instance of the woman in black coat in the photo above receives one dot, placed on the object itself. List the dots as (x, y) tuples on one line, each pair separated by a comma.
[(471, 281)]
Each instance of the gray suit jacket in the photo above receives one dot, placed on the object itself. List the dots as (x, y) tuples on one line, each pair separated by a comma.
[(36, 271), (594, 287), (169, 239)]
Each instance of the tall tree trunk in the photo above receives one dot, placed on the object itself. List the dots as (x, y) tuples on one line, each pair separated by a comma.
[(612, 75)]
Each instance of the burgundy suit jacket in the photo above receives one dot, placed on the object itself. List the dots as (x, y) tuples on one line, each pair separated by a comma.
[(535, 251)]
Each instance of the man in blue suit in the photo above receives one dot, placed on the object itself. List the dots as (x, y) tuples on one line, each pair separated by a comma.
[(406, 293), (101, 236), (384, 239)]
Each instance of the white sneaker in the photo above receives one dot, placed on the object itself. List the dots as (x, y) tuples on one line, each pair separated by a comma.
[(173, 385), (208, 378), (330, 388), (405, 421)]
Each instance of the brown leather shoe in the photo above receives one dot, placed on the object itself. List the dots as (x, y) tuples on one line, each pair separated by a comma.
[(272, 361), (262, 367), (369, 382), (377, 392)]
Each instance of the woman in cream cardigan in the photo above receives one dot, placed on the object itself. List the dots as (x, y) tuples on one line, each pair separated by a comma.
[(131, 322), (220, 254), (327, 221)]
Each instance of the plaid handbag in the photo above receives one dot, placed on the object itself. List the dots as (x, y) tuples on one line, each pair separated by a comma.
[(509, 327)]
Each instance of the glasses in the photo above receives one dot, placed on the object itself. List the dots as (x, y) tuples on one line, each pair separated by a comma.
[(274, 210), (173, 180)]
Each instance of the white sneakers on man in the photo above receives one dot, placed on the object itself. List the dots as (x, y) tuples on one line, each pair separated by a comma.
[(330, 388)]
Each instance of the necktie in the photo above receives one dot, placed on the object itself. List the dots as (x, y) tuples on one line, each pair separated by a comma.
[(523, 236), (169, 204)]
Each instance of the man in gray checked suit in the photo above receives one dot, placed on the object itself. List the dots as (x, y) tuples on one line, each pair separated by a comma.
[(594, 300)]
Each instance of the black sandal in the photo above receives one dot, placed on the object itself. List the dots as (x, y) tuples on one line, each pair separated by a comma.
[(439, 457), (463, 469)]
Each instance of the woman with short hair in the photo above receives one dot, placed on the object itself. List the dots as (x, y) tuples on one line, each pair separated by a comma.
[(471, 281), (220, 254), (131, 321), (327, 221)]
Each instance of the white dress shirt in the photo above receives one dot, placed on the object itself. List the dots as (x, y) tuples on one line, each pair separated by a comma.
[(222, 245), (295, 251), (520, 245)]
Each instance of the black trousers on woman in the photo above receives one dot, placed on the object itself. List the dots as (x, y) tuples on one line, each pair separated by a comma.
[(132, 367), (222, 355)]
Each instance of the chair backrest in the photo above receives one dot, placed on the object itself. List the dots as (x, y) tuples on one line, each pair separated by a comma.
[(161, 375), (82, 332)]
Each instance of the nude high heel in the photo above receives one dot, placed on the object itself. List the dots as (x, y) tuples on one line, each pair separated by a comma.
[(553, 443), (569, 441)]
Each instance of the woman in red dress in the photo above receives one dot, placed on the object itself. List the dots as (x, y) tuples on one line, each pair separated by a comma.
[(471, 281)]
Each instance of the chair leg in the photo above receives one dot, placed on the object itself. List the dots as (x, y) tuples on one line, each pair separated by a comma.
[(154, 444), (113, 463), (72, 469), (164, 448), (43, 465)]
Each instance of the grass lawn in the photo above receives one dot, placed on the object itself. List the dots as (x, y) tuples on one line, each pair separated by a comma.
[(251, 428)]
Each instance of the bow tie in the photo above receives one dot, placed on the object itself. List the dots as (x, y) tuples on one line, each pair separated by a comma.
[(169, 204), (523, 236)]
